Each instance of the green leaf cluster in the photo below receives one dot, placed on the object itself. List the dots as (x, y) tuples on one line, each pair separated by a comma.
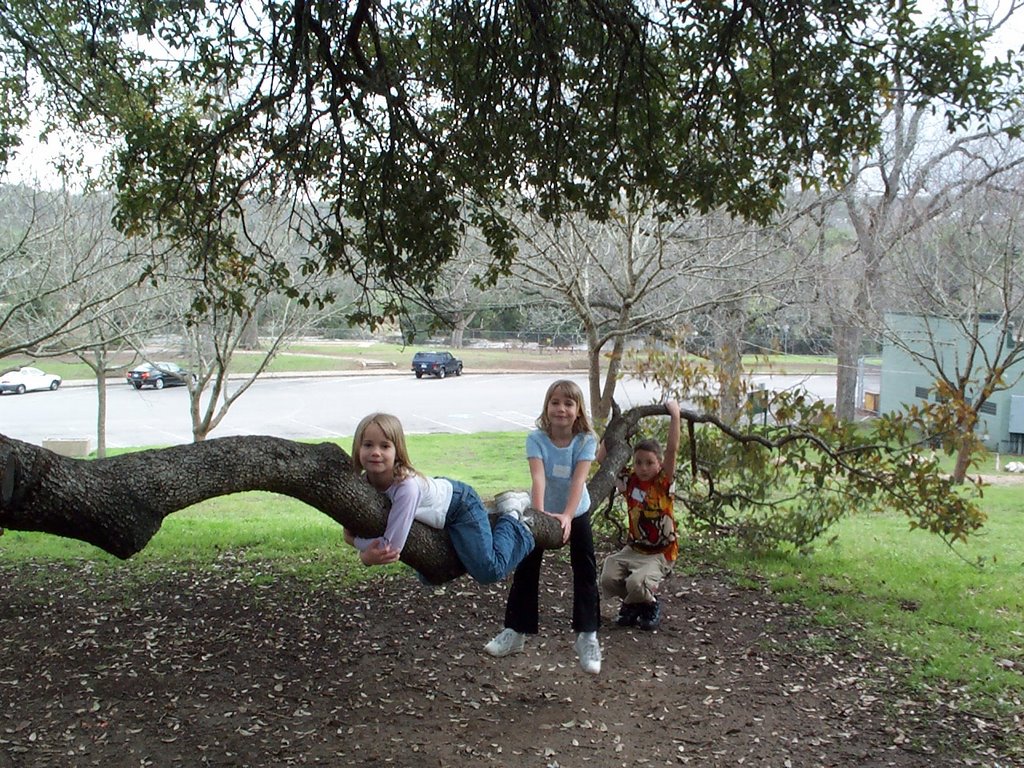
[(789, 469), (392, 128)]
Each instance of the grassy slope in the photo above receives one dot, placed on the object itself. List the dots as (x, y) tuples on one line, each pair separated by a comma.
[(338, 356), (355, 356), (959, 614)]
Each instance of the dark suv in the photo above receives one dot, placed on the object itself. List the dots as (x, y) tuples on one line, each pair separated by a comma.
[(438, 364)]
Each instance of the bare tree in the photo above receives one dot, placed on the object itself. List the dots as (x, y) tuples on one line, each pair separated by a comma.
[(459, 295), (214, 336), (62, 270), (112, 329), (639, 272), (73, 284), (111, 338), (212, 347), (964, 283), (916, 174)]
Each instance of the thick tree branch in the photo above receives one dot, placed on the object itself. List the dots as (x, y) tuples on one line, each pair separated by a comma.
[(618, 449), (119, 503)]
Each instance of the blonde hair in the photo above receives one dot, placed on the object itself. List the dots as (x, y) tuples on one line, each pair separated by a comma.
[(393, 432), (571, 390)]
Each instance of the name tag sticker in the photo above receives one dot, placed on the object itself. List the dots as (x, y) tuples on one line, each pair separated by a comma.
[(638, 495), (562, 470)]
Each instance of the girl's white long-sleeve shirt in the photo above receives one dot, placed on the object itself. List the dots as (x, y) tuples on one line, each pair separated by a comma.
[(415, 498)]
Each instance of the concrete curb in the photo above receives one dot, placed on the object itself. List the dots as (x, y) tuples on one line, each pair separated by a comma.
[(119, 380)]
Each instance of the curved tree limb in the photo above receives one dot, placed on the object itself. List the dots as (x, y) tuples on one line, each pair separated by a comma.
[(119, 503), (618, 449)]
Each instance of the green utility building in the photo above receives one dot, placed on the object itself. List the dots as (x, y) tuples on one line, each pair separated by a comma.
[(905, 380)]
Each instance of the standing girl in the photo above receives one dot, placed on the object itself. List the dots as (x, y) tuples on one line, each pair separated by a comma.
[(379, 452), (560, 453)]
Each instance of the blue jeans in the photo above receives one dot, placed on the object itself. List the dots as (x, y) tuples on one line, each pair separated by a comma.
[(488, 555)]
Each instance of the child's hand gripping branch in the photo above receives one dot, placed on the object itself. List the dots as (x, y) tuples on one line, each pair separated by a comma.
[(377, 552)]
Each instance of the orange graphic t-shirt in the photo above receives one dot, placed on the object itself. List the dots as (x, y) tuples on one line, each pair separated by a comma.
[(652, 525)]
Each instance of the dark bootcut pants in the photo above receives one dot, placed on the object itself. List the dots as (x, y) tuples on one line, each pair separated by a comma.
[(522, 611)]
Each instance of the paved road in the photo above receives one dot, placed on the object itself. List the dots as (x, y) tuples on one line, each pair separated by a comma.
[(295, 408), (316, 406)]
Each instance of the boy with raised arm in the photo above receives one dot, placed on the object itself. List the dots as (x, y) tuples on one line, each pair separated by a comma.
[(635, 572)]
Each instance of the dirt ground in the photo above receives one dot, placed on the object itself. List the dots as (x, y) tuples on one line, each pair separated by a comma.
[(245, 668)]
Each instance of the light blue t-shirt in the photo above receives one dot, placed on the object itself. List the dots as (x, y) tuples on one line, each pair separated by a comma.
[(559, 464)]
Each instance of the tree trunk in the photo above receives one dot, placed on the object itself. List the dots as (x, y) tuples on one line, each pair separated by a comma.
[(249, 338), (597, 410), (101, 414), (460, 323), (98, 364), (119, 503), (968, 441), (963, 460), (602, 396), (847, 336), (728, 359)]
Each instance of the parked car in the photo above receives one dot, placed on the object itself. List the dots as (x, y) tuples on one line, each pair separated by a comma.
[(159, 375), (438, 364), (27, 379)]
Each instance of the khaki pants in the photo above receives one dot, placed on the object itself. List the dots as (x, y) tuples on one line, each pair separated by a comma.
[(633, 576)]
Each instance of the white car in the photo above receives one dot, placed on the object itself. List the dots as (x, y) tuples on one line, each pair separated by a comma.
[(27, 379)]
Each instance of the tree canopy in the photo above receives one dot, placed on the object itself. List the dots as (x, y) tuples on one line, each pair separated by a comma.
[(391, 126)]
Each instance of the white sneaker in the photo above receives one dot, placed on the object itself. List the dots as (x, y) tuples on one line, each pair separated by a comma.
[(506, 642), (513, 503), (589, 652)]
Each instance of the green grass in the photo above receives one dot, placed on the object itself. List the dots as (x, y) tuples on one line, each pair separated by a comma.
[(328, 356), (959, 616), (257, 527), (491, 461), (794, 364), (356, 355)]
